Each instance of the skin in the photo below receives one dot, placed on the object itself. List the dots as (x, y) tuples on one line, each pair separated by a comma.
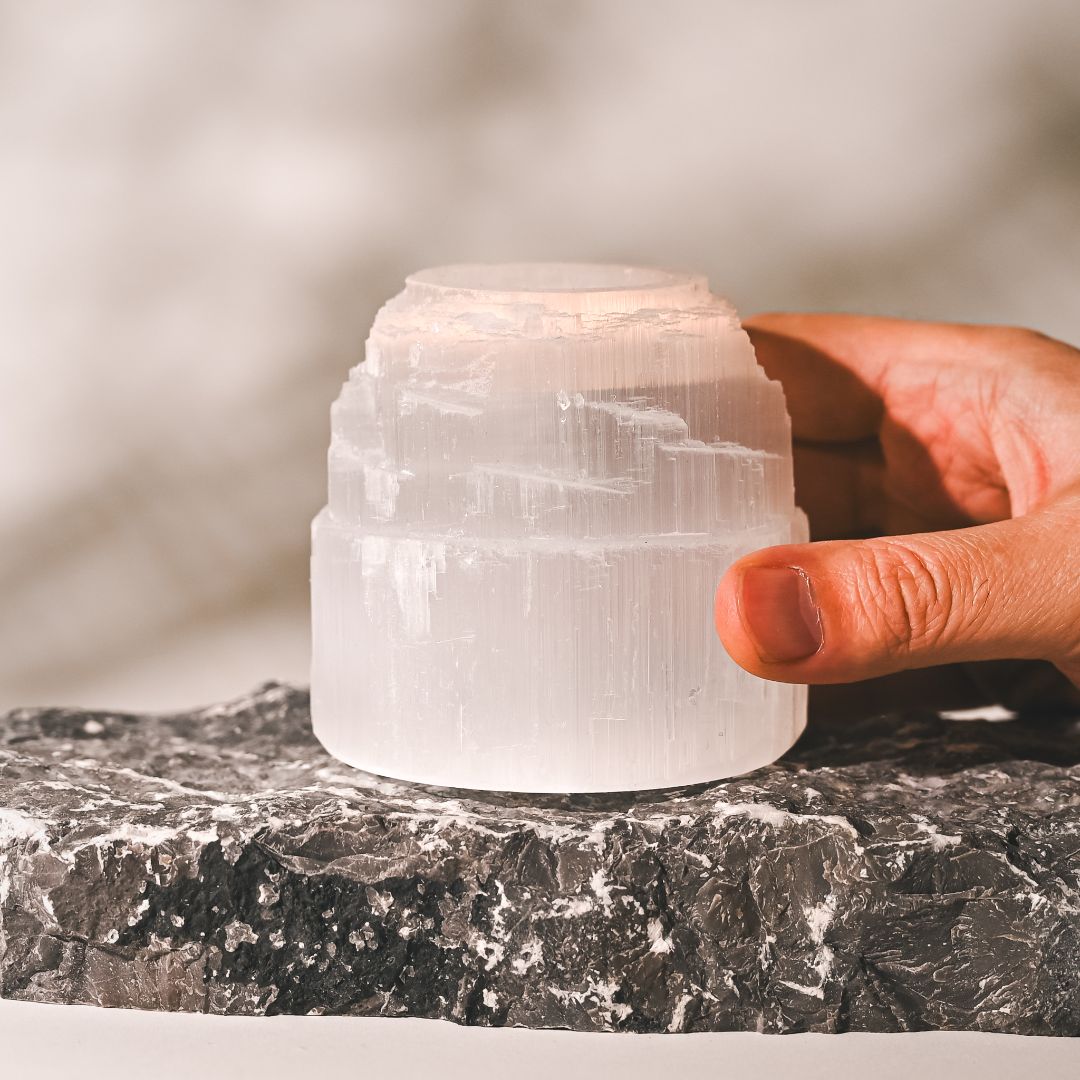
[(940, 466)]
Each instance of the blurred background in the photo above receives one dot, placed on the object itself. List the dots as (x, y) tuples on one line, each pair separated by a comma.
[(203, 204)]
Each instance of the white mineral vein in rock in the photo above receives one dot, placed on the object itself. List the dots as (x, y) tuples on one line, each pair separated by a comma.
[(538, 476)]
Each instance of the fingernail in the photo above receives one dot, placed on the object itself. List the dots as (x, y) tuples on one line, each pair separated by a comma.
[(779, 613)]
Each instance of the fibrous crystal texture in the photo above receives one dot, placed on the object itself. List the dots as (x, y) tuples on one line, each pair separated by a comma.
[(538, 476)]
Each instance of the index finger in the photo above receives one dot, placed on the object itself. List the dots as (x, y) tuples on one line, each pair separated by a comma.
[(835, 368)]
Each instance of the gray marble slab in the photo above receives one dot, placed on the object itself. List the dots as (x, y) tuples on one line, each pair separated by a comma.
[(894, 874)]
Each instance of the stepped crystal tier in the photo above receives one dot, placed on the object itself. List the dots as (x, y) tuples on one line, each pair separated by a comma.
[(538, 476)]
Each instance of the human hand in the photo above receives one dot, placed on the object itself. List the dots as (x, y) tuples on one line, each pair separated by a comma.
[(958, 449)]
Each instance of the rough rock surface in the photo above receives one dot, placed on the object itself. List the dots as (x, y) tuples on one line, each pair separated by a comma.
[(900, 874)]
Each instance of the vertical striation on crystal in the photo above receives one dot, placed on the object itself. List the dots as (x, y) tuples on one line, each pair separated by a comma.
[(538, 476)]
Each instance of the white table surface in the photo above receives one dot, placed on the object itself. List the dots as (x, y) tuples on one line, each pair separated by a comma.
[(45, 1041)]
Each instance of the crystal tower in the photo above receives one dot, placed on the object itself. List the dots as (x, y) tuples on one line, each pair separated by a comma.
[(538, 476)]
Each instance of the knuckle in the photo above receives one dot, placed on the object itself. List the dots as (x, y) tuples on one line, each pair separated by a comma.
[(907, 598), (1021, 338), (1033, 350)]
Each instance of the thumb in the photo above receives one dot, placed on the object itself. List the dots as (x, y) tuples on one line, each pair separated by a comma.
[(842, 611)]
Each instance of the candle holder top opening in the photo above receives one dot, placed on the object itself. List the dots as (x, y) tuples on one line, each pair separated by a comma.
[(556, 284)]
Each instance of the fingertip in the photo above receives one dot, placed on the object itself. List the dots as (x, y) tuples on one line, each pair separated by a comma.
[(767, 616), (726, 609), (730, 625), (779, 613)]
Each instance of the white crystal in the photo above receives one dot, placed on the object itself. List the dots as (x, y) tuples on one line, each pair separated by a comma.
[(538, 476)]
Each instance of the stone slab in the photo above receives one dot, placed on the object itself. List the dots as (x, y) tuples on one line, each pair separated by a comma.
[(896, 874)]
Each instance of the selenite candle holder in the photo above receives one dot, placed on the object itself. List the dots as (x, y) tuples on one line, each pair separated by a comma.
[(538, 476)]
